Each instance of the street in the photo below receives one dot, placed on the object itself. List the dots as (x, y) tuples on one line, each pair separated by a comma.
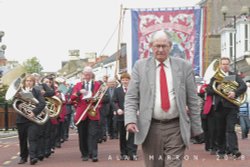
[(69, 155)]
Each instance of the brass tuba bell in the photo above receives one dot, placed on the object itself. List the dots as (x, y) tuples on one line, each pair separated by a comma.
[(226, 87), (54, 106)]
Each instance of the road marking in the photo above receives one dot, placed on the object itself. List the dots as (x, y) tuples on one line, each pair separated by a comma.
[(6, 162), (13, 157), (10, 137), (6, 146)]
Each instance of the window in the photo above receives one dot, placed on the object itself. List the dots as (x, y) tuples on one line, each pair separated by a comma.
[(246, 37), (231, 45)]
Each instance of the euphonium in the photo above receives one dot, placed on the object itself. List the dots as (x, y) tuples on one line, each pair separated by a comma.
[(54, 106), (94, 102), (226, 87), (25, 107), (24, 103)]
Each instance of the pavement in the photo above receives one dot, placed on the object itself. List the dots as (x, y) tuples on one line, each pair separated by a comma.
[(8, 133), (108, 154)]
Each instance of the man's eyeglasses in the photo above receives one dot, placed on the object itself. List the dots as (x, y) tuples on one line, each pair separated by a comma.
[(161, 46)]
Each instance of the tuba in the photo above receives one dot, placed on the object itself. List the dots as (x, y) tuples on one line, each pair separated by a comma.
[(94, 102), (24, 102), (226, 87)]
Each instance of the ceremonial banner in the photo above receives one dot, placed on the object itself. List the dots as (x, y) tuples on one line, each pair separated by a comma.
[(182, 25)]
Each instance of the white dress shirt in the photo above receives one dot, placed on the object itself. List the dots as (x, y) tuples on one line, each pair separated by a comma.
[(158, 113), (89, 84)]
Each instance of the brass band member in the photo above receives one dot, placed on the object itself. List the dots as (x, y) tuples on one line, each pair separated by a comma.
[(226, 112), (44, 130), (127, 146), (28, 130), (88, 127)]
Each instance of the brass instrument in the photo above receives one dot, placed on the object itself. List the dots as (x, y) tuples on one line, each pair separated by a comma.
[(54, 106), (226, 87), (94, 102), (24, 102)]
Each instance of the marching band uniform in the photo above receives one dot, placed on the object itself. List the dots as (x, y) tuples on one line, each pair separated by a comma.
[(127, 146), (104, 111), (44, 130), (28, 130), (88, 127), (69, 112), (226, 114), (60, 127)]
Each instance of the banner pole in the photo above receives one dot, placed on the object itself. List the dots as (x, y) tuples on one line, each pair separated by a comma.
[(118, 43)]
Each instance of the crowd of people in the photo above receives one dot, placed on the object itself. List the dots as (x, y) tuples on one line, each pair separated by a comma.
[(157, 106), (38, 141)]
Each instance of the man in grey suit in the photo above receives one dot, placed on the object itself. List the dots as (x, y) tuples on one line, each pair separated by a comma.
[(163, 132)]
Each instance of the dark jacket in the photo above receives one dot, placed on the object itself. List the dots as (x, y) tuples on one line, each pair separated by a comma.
[(48, 91), (217, 98), (106, 104), (118, 101)]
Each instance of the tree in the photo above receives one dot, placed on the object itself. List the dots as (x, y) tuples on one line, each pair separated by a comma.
[(33, 65), (3, 90)]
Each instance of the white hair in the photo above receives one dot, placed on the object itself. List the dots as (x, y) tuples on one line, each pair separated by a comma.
[(35, 75), (88, 69), (159, 34), (111, 79)]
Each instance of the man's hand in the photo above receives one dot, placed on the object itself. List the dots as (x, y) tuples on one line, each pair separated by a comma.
[(83, 91), (219, 87), (31, 115), (231, 95), (132, 128), (43, 92), (120, 112)]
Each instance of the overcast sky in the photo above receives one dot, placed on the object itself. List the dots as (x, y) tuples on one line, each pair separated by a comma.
[(47, 29)]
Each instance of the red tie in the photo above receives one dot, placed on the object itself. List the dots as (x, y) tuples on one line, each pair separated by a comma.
[(165, 104)]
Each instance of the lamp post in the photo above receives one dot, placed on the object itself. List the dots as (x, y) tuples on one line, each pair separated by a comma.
[(1, 35), (247, 57), (244, 11), (224, 11), (106, 70)]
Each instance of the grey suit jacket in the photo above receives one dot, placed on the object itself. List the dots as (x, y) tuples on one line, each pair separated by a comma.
[(141, 93)]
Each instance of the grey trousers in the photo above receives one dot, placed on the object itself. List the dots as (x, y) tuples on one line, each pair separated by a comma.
[(164, 146)]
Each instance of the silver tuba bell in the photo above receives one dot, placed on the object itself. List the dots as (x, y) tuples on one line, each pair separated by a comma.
[(24, 102)]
